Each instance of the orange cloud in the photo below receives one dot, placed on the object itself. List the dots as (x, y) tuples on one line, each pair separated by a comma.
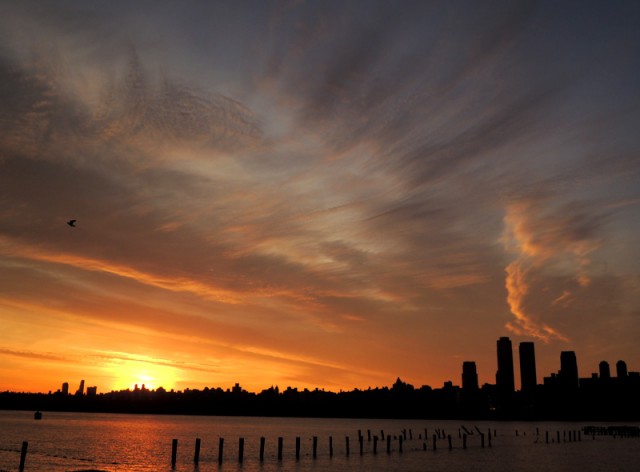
[(539, 240), (179, 284)]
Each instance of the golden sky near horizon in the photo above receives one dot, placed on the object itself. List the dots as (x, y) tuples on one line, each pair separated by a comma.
[(315, 194)]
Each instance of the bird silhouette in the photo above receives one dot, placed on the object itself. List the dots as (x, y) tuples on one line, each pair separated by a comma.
[(72, 223)]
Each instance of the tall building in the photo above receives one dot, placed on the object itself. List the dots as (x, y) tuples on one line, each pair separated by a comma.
[(65, 388), (605, 371), (504, 376), (80, 388), (469, 376), (621, 369), (528, 377), (568, 375)]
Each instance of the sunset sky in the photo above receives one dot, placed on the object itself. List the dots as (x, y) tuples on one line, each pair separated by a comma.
[(315, 194)]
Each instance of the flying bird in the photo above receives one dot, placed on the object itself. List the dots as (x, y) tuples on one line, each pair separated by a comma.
[(72, 223)]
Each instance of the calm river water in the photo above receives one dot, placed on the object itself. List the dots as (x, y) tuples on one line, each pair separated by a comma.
[(112, 442)]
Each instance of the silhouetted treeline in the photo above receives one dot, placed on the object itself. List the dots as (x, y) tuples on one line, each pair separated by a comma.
[(613, 401)]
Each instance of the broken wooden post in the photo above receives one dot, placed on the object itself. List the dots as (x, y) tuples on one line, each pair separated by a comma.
[(23, 455), (196, 453), (174, 453)]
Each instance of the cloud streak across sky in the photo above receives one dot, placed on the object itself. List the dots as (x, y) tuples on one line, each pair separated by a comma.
[(314, 194)]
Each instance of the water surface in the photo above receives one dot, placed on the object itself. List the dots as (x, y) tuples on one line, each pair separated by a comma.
[(118, 442)]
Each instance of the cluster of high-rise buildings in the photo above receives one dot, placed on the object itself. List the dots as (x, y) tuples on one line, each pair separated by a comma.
[(564, 384), (90, 390)]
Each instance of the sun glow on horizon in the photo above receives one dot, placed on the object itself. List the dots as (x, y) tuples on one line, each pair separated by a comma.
[(129, 373)]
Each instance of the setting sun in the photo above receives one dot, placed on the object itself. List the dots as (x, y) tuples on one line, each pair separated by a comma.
[(140, 371)]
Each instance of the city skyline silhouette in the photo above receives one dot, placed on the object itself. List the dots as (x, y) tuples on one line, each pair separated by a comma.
[(562, 395)]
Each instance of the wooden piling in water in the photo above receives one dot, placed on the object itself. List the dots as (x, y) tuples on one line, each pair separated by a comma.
[(546, 437), (240, 450), (23, 455), (410, 435), (346, 444), (464, 441), (220, 450), (368, 435), (315, 446), (297, 448), (482, 440), (558, 434), (434, 441), (262, 448), (361, 440), (330, 446), (375, 444), (449, 440), (382, 434), (174, 453), (196, 452), (389, 444), (400, 439), (280, 448)]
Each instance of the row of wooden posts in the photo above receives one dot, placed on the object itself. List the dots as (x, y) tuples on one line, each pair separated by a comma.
[(439, 434), (463, 434)]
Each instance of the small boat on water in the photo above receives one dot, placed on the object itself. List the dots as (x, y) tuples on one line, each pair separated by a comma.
[(37, 415)]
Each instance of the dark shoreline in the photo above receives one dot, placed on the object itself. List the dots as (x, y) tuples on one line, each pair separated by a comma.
[(381, 403)]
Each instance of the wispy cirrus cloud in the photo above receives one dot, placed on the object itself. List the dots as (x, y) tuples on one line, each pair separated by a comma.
[(559, 242), (340, 185)]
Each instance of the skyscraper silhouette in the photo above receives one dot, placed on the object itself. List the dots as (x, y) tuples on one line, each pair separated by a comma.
[(568, 374), (605, 371), (621, 369), (528, 377), (504, 376), (469, 376)]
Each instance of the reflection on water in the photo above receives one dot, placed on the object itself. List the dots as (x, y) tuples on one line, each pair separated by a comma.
[(111, 442)]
